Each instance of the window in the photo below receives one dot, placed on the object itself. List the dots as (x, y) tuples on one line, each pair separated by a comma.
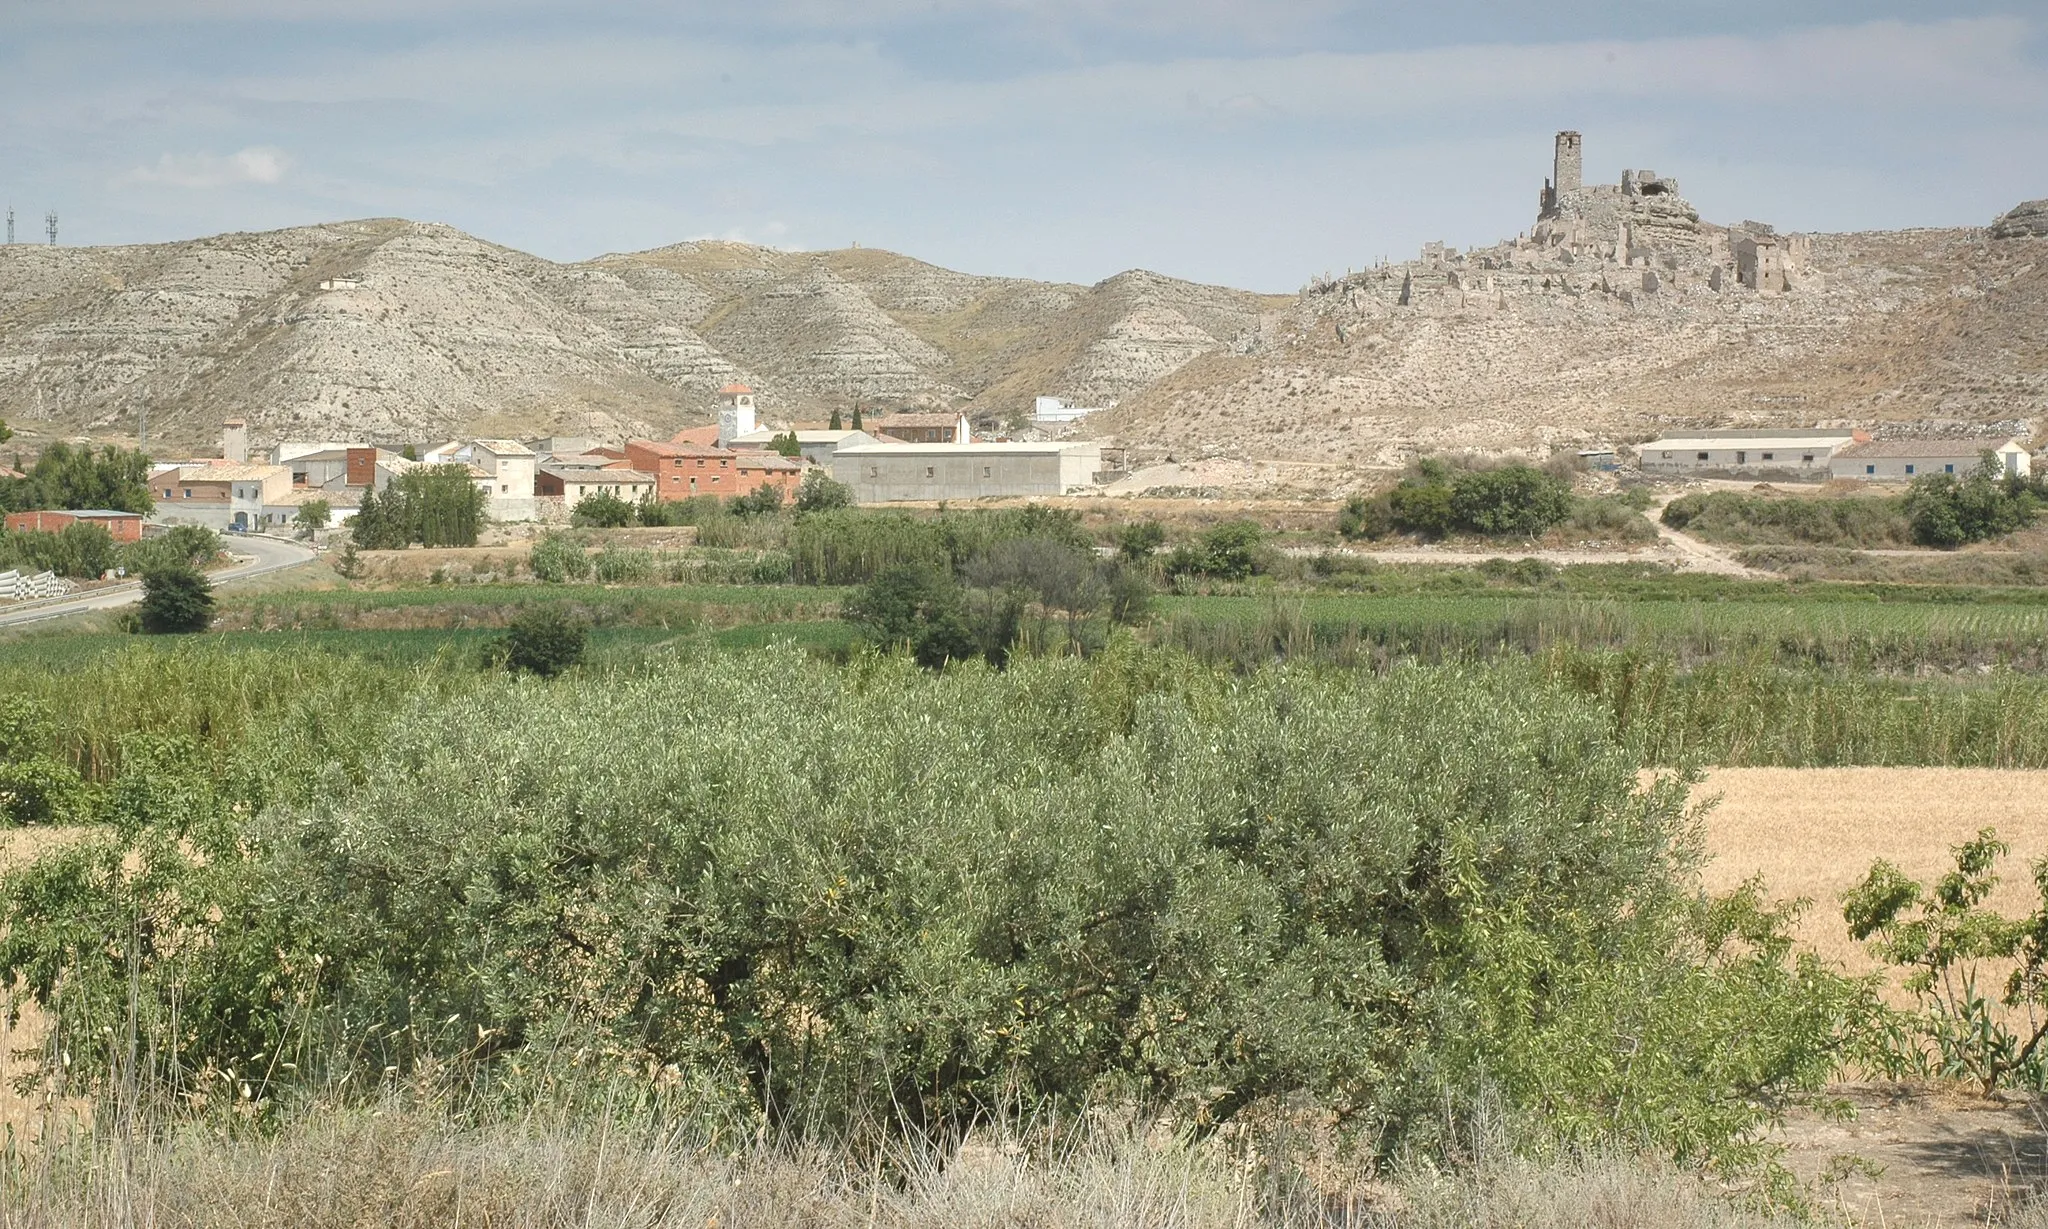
[(1667, 456), (167, 492), (505, 490), (1703, 456), (1909, 468), (1870, 469), (985, 471), (928, 471), (1948, 469), (1770, 456), (188, 492), (1807, 459)]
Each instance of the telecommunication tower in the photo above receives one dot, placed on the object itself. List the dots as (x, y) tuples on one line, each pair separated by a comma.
[(50, 225), (10, 224)]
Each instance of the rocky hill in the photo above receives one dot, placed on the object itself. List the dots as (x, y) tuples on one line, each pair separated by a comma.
[(390, 329), (1620, 315)]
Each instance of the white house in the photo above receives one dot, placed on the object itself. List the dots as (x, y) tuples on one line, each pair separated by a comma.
[(1905, 460), (881, 473), (507, 464), (1803, 454), (1047, 412)]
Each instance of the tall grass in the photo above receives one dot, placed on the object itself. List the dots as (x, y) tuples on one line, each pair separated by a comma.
[(404, 1165)]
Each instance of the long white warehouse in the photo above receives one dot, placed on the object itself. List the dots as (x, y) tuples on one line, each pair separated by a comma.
[(886, 473)]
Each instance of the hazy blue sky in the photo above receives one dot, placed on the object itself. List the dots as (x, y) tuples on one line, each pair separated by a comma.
[(1251, 144)]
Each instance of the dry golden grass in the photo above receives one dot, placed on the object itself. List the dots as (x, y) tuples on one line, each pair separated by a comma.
[(1813, 833)]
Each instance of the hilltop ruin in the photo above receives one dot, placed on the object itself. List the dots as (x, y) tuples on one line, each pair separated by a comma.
[(1628, 239)]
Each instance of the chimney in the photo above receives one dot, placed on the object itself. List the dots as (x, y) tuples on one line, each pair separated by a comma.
[(234, 441)]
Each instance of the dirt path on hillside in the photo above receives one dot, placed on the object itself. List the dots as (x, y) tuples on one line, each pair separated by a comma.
[(1698, 556)]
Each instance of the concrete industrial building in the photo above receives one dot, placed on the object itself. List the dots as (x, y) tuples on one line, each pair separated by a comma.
[(817, 446), (883, 473), (1803, 454), (1905, 460)]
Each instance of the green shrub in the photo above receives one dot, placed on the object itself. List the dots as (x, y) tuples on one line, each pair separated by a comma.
[(1229, 551), (176, 599), (763, 500), (831, 899), (558, 558), (917, 608), (1946, 512), (1945, 939), (617, 564), (1728, 516), (603, 510), (819, 492), (1513, 501), (541, 640)]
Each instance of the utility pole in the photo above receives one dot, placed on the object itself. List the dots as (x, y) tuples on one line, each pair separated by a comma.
[(50, 225)]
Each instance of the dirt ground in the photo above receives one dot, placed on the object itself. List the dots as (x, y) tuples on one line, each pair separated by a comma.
[(20, 1115)]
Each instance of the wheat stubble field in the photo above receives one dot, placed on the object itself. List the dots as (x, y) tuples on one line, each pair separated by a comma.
[(1812, 833)]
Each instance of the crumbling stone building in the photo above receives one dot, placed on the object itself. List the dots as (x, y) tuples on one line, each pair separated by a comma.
[(1629, 239)]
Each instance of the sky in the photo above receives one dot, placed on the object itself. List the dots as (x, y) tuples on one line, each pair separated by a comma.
[(1252, 145)]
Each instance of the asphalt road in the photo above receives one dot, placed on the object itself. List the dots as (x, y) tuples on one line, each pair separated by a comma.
[(265, 555)]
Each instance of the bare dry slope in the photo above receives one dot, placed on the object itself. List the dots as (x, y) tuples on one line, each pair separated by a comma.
[(1936, 324), (401, 330)]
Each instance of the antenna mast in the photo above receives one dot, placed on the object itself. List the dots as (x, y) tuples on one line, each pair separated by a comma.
[(50, 225), (10, 224)]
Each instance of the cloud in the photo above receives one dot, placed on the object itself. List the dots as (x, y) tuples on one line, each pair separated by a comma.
[(258, 164)]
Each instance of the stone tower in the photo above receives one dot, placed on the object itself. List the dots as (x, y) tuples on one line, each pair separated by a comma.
[(234, 441), (1566, 175)]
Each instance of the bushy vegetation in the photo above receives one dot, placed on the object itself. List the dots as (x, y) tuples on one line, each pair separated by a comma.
[(1938, 510), (175, 599), (559, 558), (1949, 940), (1434, 501), (1117, 882), (541, 640), (1732, 517), (603, 510), (1945, 511), (85, 551), (68, 477), (432, 505)]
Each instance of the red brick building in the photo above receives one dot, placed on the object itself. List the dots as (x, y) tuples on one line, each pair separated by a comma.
[(684, 471), (124, 526)]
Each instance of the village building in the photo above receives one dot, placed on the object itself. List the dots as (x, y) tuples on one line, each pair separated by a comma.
[(1799, 454), (885, 472), (921, 428), (572, 484), (222, 495), (816, 446), (122, 526), (1905, 460)]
